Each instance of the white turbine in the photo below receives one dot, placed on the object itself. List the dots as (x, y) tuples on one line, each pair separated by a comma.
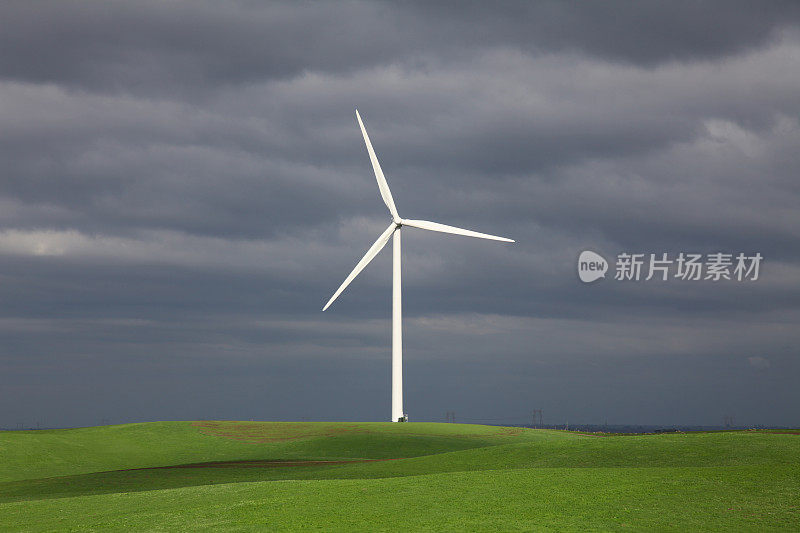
[(397, 308)]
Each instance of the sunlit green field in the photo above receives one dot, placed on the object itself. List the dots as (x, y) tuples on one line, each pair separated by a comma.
[(381, 476)]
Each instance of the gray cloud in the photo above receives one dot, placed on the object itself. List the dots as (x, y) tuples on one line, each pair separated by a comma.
[(178, 45), (759, 362), (184, 186)]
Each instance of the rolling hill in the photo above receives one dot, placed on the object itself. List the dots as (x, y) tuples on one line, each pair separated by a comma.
[(383, 476)]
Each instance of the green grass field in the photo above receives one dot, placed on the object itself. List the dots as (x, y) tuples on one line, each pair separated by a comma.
[(382, 476)]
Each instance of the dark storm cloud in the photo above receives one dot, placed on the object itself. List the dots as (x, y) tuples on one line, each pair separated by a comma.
[(184, 185), (159, 46)]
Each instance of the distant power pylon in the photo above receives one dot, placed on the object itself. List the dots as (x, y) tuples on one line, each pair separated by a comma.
[(537, 418), (450, 416)]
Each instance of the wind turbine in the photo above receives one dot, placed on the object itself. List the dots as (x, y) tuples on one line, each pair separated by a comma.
[(397, 308)]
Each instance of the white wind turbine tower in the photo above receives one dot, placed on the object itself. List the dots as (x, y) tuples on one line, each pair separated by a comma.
[(394, 230)]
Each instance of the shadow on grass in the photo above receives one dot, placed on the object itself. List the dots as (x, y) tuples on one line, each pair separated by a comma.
[(171, 477)]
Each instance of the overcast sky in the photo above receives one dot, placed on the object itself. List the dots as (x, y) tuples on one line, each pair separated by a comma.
[(184, 185)]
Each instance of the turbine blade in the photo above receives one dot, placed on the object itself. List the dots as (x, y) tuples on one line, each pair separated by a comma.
[(435, 226), (386, 194), (371, 253)]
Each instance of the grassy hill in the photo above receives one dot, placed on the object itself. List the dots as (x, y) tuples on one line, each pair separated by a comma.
[(382, 476)]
